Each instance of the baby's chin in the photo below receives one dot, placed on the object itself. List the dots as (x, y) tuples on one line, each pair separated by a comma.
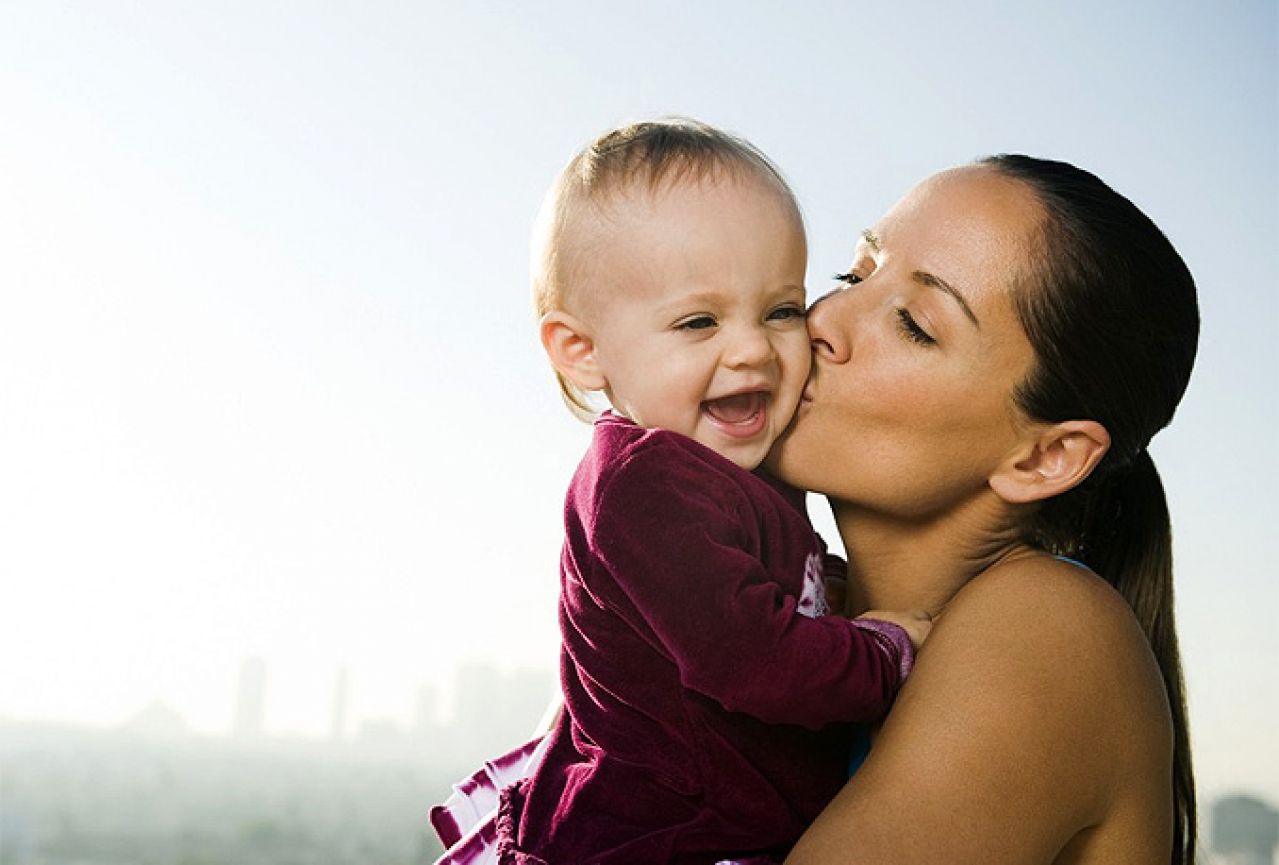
[(743, 459)]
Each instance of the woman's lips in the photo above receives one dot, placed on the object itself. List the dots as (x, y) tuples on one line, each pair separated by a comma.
[(743, 415)]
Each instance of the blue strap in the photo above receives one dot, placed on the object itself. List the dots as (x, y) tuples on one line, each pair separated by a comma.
[(858, 749)]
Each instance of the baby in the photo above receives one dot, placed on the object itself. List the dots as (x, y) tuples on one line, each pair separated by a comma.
[(703, 682)]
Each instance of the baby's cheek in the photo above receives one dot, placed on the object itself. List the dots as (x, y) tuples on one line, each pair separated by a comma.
[(798, 355)]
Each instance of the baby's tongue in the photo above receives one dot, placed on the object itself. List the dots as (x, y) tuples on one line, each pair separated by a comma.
[(735, 409)]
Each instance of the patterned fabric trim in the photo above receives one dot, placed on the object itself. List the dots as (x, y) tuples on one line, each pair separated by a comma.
[(894, 640)]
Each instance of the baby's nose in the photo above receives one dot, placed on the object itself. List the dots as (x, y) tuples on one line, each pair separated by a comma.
[(750, 347)]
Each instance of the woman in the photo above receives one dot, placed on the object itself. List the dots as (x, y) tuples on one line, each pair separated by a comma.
[(984, 387)]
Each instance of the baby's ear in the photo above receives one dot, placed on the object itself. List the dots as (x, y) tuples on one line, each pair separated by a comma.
[(1056, 458), (571, 349)]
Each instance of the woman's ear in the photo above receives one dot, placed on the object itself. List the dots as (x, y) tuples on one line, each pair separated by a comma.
[(1058, 459), (571, 350)]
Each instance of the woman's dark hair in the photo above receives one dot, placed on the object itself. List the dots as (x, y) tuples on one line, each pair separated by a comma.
[(1111, 312)]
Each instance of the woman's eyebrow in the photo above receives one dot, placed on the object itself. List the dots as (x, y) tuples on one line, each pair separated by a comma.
[(932, 281), (925, 278)]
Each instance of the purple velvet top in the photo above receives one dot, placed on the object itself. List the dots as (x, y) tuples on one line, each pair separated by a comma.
[(703, 687)]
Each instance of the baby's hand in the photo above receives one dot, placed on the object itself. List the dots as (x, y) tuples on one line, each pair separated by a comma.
[(916, 623), (836, 593)]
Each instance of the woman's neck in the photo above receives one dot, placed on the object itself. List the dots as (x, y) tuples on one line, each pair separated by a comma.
[(904, 565)]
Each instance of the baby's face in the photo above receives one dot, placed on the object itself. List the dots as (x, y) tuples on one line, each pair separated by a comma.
[(696, 308)]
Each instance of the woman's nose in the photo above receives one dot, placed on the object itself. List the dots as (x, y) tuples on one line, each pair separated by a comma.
[(826, 332)]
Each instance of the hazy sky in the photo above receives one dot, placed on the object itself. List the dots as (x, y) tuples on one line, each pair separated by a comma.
[(268, 377)]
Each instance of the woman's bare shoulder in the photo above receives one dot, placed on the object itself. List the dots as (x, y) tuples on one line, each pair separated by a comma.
[(1031, 706), (1041, 617), (1018, 589), (1048, 627)]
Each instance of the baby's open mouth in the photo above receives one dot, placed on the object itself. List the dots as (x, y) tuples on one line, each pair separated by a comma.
[(742, 414)]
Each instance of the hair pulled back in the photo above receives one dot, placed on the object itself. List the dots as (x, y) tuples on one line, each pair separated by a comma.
[(1111, 311)]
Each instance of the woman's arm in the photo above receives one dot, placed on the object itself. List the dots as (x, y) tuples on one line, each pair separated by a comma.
[(1034, 713)]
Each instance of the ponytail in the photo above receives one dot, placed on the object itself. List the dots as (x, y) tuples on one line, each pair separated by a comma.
[(1122, 532), (1111, 311)]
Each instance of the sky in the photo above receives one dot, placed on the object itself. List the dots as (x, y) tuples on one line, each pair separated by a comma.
[(269, 382)]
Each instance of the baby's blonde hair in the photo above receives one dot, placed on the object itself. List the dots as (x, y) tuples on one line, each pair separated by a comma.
[(648, 156)]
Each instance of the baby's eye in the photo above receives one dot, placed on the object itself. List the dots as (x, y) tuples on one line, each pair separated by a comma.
[(848, 278), (697, 322), (786, 312)]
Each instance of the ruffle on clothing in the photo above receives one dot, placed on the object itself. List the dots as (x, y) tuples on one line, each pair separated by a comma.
[(477, 821), (467, 822), (508, 825)]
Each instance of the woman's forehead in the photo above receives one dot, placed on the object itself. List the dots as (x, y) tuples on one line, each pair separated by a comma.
[(968, 219)]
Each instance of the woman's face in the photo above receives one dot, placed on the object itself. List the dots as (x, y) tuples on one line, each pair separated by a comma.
[(909, 405)]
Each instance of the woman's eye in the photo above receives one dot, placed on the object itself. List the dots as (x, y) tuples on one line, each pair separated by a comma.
[(697, 322), (848, 278), (911, 329), (786, 313)]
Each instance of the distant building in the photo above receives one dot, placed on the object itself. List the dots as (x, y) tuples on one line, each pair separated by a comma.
[(426, 719), (494, 711), (250, 699), (156, 721), (341, 704), (381, 735), (1244, 831)]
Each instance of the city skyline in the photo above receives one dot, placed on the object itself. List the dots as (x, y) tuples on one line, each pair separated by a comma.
[(176, 796), (474, 699)]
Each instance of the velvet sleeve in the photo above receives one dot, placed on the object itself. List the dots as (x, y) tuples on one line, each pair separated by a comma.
[(675, 538)]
